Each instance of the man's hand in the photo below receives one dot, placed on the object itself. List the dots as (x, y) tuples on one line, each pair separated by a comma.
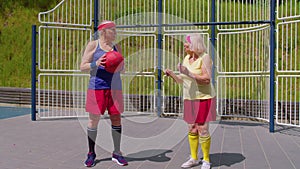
[(101, 61)]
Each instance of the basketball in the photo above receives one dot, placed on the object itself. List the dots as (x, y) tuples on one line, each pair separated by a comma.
[(114, 61)]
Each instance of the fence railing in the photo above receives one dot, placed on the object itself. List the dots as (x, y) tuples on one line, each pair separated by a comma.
[(18, 96), (242, 45), (71, 99), (287, 111)]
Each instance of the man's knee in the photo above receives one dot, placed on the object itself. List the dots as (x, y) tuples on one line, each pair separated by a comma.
[(93, 120), (115, 120)]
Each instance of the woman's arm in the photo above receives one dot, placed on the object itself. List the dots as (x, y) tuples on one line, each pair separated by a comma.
[(176, 78), (87, 57), (205, 76)]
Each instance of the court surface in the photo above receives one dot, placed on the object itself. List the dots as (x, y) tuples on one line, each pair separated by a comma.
[(62, 143)]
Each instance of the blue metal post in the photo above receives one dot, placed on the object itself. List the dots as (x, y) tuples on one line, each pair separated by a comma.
[(272, 64), (96, 19), (159, 41), (213, 39), (33, 73)]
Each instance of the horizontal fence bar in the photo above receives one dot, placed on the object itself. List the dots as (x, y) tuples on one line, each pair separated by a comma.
[(16, 96), (195, 24)]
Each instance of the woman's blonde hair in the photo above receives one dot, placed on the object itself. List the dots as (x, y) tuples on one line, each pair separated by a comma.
[(196, 43)]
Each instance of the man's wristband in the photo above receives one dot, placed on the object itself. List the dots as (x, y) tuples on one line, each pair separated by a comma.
[(93, 64)]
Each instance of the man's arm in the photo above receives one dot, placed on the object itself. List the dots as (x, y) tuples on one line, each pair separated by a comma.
[(87, 57)]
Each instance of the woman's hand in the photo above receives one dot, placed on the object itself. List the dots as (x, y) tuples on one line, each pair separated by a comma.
[(183, 69), (168, 72)]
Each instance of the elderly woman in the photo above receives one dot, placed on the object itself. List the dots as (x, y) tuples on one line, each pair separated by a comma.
[(198, 95), (104, 91)]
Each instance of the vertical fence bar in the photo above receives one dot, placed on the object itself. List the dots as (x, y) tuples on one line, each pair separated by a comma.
[(213, 39), (272, 64), (33, 73), (159, 41), (96, 18)]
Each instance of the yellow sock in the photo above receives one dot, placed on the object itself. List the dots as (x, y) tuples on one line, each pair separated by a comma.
[(205, 146), (194, 142)]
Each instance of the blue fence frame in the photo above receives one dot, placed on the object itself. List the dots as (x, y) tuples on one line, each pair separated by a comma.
[(272, 63), (33, 73), (160, 25)]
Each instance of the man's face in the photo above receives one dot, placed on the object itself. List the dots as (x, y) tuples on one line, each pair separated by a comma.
[(111, 33)]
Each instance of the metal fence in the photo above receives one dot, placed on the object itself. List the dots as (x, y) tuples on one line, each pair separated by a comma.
[(287, 63), (250, 81)]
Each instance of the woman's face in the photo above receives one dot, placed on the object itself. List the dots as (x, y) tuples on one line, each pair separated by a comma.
[(110, 34), (187, 48)]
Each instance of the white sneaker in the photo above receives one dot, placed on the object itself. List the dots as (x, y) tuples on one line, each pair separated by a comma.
[(205, 165), (190, 163)]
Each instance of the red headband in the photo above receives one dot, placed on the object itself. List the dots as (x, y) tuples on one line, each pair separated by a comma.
[(188, 39), (105, 25)]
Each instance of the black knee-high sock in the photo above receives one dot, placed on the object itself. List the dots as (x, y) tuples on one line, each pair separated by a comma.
[(92, 134), (116, 132)]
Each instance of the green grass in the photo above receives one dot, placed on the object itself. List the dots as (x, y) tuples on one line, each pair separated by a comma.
[(16, 19), (15, 40)]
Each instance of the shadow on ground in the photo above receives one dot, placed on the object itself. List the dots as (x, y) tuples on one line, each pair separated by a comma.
[(158, 155), (288, 130), (226, 159)]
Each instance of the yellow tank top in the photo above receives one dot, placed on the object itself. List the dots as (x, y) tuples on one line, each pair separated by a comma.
[(191, 89)]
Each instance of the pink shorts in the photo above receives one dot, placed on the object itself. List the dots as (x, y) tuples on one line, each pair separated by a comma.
[(97, 101), (199, 111)]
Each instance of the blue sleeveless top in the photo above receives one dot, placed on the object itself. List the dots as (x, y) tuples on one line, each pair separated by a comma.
[(100, 78)]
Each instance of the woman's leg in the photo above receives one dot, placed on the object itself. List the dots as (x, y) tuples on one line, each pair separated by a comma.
[(205, 140), (193, 140)]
